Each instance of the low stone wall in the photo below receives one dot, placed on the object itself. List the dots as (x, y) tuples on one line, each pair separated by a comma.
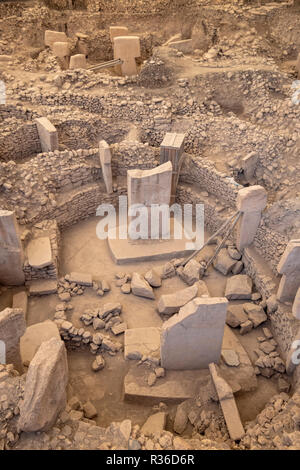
[(19, 143), (270, 245), (283, 323), (199, 171)]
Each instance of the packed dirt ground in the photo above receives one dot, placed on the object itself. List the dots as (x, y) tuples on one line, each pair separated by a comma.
[(234, 91)]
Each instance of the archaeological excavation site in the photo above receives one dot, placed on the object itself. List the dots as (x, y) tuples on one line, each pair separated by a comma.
[(150, 225)]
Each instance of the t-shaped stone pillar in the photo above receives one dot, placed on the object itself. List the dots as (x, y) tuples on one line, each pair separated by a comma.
[(11, 251), (250, 201), (77, 61), (289, 267), (12, 327), (63, 52), (147, 188), (116, 31), (171, 149), (127, 48), (105, 160)]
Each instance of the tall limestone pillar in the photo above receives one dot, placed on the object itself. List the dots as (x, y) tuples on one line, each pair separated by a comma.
[(11, 251)]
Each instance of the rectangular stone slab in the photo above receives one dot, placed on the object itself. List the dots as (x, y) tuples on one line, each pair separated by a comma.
[(39, 252), (47, 134), (192, 339), (83, 279), (175, 387), (43, 287)]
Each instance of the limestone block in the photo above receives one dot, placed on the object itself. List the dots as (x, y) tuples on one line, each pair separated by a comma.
[(34, 336), (191, 338), (141, 287), (61, 49), (171, 303), (116, 31), (223, 262), (251, 199), (83, 279), (11, 251), (290, 260), (77, 61), (153, 277), (12, 327), (54, 36), (105, 161), (39, 252), (43, 287), (228, 405), (155, 424), (238, 287), (45, 387), (47, 134), (127, 48)]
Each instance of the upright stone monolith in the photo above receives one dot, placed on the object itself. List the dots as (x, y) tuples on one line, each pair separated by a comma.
[(11, 251), (192, 339), (127, 48), (105, 160), (289, 267), (12, 327), (250, 201)]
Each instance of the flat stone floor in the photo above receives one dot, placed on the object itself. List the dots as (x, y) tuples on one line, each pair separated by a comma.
[(82, 251)]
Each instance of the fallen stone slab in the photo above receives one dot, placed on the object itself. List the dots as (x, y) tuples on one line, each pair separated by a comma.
[(83, 279), (185, 45), (43, 287), (45, 387), (191, 272), (113, 308), (223, 262), (155, 424), (235, 315), (255, 313), (34, 336), (20, 300), (228, 405), (171, 303), (139, 342), (238, 287), (175, 387), (153, 278), (39, 252), (241, 377), (140, 287)]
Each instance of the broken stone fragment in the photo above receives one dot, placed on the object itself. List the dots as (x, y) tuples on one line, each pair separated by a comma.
[(89, 410), (230, 357), (153, 278), (155, 424), (168, 270), (83, 279), (98, 324), (140, 287), (126, 288), (99, 363), (45, 388), (223, 262), (246, 327), (191, 272), (171, 303), (235, 316), (255, 313), (238, 287), (110, 308), (181, 418)]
